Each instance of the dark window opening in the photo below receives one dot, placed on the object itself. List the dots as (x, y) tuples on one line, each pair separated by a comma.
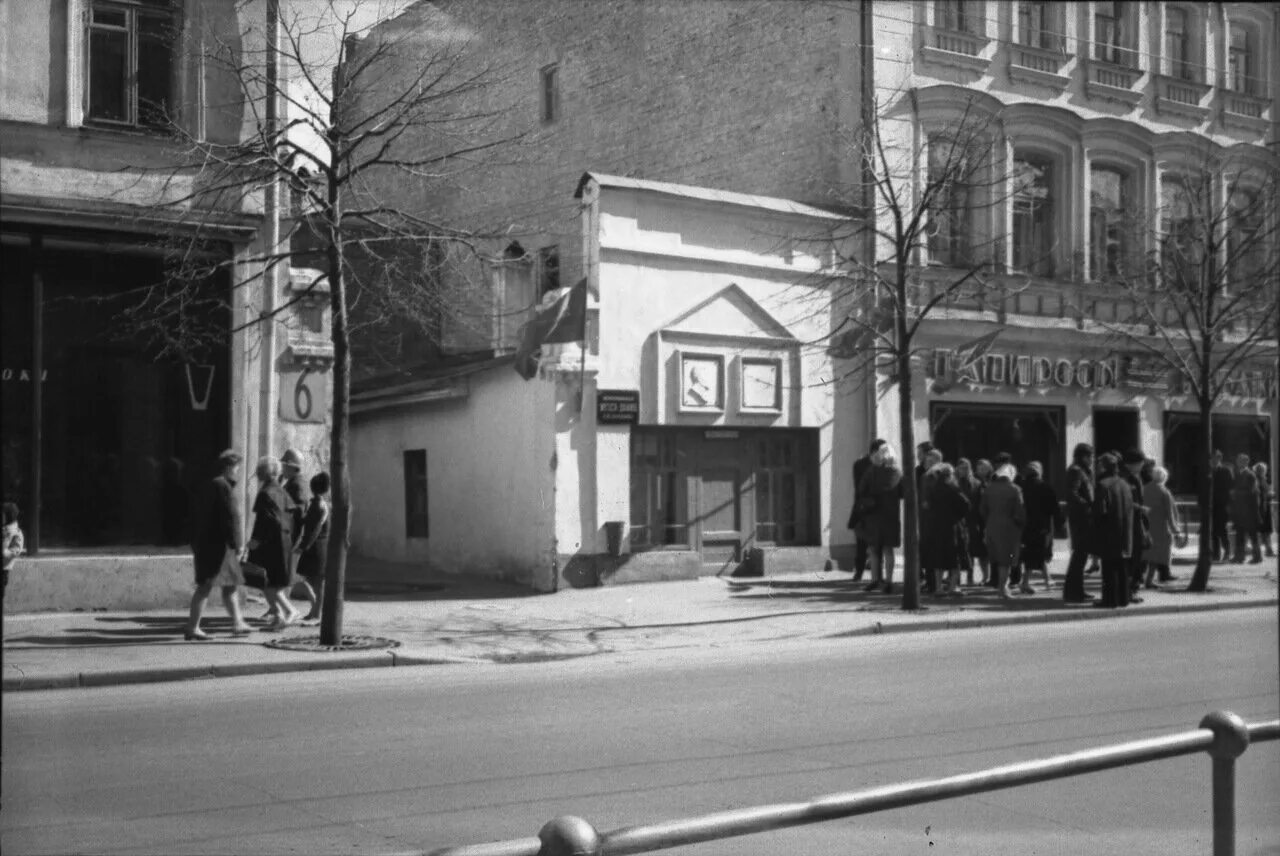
[(416, 522), (131, 65), (550, 93), (548, 269)]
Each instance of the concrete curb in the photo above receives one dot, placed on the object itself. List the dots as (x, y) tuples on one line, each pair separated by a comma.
[(321, 661)]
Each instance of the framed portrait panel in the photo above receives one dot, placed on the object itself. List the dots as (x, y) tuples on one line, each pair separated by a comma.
[(701, 382), (761, 384)]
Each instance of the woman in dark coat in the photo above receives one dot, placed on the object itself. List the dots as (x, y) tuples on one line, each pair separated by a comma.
[(880, 494), (271, 544), (949, 507), (970, 487), (982, 473), (1043, 516), (313, 546), (1004, 515), (216, 548), (1266, 521)]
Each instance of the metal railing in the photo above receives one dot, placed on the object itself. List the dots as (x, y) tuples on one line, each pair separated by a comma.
[(1223, 735)]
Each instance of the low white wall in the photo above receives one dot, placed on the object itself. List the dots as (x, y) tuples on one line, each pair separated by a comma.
[(490, 492)]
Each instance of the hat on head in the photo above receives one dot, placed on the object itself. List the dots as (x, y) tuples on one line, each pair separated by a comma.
[(1134, 456), (291, 458)]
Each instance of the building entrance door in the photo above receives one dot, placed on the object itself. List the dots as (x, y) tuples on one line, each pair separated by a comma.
[(1114, 430), (720, 491), (976, 431)]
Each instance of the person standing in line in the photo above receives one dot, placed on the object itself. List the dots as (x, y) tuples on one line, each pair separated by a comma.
[(924, 489), (1043, 516), (1113, 531), (1162, 513), (271, 544), (1223, 483), (312, 548), (15, 544), (1005, 515), (1266, 521), (216, 548), (1080, 492), (982, 474), (948, 508), (860, 468), (1133, 463), (881, 492), (968, 485), (1245, 506)]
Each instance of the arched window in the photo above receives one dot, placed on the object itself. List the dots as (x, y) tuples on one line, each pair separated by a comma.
[(951, 207), (1183, 225), (1246, 245)]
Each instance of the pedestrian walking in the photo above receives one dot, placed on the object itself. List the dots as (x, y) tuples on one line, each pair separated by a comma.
[(1113, 531), (313, 545), (1266, 518), (1044, 516), (860, 468), (15, 544), (1166, 526), (1223, 483), (880, 494), (271, 544), (1005, 514), (924, 489), (942, 542), (1245, 507), (216, 549), (1080, 494)]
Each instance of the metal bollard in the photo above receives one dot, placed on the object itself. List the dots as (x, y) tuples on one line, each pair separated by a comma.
[(1230, 739), (569, 836)]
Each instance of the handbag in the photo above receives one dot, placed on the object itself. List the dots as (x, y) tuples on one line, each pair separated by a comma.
[(255, 576), (1181, 539)]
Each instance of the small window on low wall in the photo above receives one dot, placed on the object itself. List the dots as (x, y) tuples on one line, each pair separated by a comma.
[(416, 521)]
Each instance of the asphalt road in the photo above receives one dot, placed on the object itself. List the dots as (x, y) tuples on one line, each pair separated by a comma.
[(404, 760)]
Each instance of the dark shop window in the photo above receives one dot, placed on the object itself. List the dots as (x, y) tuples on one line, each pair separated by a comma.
[(550, 93), (131, 68), (415, 494)]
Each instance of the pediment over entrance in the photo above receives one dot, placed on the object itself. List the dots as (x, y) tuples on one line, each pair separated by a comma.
[(731, 313)]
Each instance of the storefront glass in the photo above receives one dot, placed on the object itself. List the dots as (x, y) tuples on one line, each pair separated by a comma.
[(977, 431), (127, 436), (1232, 434)]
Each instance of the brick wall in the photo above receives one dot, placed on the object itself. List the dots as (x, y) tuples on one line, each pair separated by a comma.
[(746, 96)]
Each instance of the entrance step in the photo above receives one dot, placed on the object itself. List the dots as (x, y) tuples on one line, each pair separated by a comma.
[(767, 561)]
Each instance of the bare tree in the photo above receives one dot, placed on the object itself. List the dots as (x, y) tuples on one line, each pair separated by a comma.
[(928, 199), (1203, 300), (331, 106)]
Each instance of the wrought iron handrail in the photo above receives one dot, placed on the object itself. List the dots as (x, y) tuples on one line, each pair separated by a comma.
[(1224, 736)]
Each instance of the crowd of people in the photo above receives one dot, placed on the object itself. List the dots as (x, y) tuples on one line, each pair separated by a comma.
[(991, 519), (287, 545)]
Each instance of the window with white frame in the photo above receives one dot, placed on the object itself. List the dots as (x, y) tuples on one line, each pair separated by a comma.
[(1178, 54), (1181, 229), (1033, 214), (131, 68), (949, 185), (1110, 197), (1115, 32), (1037, 26), (961, 16), (1242, 60)]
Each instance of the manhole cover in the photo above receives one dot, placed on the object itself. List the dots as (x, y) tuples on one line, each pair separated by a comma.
[(348, 643)]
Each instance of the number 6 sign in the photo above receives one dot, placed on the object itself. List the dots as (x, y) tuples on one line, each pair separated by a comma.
[(304, 395)]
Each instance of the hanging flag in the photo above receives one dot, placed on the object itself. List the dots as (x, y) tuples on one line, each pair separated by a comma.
[(564, 320), (975, 350)]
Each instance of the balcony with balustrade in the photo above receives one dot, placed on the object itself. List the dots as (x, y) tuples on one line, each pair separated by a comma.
[(1182, 95), (1044, 66), (957, 48), (1112, 74), (1247, 106)]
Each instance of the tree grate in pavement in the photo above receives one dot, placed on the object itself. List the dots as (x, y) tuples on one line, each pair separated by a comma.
[(348, 643)]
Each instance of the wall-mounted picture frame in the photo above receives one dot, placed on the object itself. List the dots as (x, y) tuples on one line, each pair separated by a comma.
[(701, 382), (761, 384)]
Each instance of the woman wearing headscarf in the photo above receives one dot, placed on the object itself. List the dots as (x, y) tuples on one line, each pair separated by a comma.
[(1004, 514), (271, 544), (942, 542), (982, 474), (1162, 515), (1043, 515), (968, 485), (880, 492)]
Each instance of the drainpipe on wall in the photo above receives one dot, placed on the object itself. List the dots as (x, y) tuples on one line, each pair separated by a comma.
[(271, 241)]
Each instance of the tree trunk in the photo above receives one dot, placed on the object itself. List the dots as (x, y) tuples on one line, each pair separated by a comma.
[(1204, 556), (910, 516), (340, 470)]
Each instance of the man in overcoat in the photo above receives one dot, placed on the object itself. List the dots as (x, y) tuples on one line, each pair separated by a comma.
[(1245, 507), (1113, 531), (1080, 490), (1223, 482), (860, 468)]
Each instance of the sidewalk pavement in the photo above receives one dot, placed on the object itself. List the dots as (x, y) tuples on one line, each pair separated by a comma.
[(454, 620)]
